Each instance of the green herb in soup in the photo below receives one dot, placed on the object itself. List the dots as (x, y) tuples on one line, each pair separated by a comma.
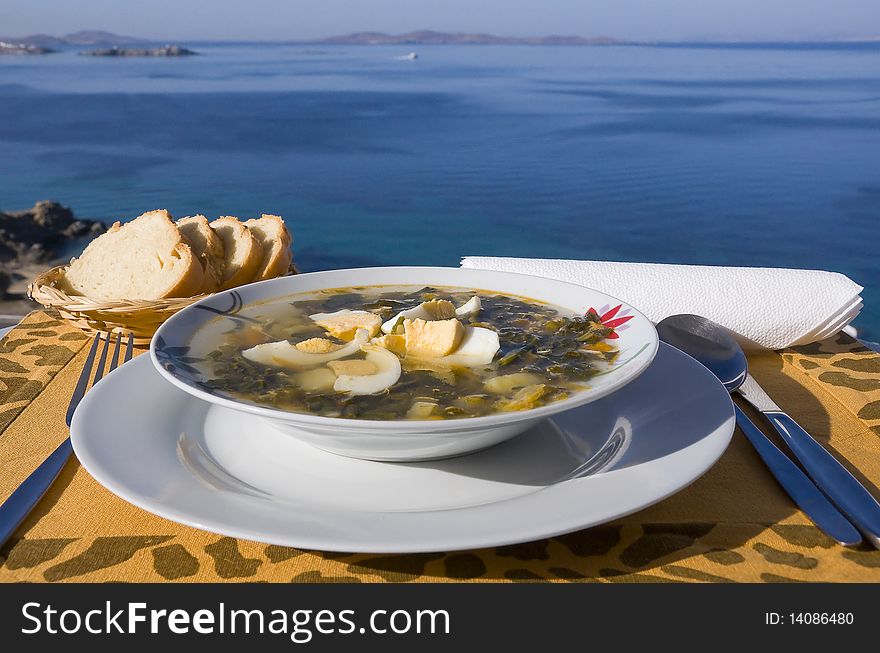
[(388, 353)]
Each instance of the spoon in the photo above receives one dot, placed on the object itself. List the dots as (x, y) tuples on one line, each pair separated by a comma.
[(717, 349)]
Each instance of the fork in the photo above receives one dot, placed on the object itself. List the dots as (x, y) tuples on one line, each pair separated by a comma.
[(26, 496)]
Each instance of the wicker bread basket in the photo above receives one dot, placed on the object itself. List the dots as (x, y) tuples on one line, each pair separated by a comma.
[(139, 317)]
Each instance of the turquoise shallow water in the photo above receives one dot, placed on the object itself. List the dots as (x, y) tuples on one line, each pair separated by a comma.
[(733, 156)]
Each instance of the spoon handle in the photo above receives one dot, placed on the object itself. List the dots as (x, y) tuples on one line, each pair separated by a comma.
[(832, 478), (799, 487)]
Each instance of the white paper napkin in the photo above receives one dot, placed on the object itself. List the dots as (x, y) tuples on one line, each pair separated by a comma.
[(767, 307)]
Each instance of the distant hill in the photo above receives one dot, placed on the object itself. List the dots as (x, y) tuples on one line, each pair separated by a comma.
[(97, 37), (429, 37), (84, 37)]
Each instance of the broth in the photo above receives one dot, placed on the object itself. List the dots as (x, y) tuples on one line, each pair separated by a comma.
[(544, 354)]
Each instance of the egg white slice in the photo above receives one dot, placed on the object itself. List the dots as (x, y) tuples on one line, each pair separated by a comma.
[(388, 366), (478, 347), (469, 308), (342, 313), (284, 354)]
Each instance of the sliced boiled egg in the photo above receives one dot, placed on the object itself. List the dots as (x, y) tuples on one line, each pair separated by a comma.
[(478, 347), (345, 323), (284, 354), (417, 313), (436, 309), (387, 373)]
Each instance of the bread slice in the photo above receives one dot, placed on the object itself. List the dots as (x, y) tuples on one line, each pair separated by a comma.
[(242, 252), (207, 246), (275, 240), (146, 258)]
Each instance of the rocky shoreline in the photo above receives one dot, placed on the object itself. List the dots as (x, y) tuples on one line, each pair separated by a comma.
[(164, 51), (23, 48), (31, 241), (26, 48)]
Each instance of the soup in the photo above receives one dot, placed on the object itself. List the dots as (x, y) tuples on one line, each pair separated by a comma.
[(397, 352)]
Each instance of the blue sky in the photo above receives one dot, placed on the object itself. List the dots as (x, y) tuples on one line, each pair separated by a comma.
[(293, 19)]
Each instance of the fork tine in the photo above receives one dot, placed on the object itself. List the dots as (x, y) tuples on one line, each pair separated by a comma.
[(99, 371), (83, 382), (128, 347), (114, 360)]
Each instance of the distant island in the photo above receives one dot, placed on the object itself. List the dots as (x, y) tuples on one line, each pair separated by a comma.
[(429, 37), (7, 47), (46, 44), (84, 37), (164, 51), (111, 45), (108, 44)]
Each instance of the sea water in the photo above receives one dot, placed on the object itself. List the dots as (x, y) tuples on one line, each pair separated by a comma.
[(756, 156)]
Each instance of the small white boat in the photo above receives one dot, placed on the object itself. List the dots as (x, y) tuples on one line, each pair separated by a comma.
[(410, 56)]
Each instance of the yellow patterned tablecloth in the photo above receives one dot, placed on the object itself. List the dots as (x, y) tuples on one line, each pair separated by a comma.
[(733, 524)]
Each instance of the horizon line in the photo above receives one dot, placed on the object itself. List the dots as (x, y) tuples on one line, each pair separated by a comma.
[(522, 40)]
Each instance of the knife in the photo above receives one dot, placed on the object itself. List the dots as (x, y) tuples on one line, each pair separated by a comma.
[(830, 476)]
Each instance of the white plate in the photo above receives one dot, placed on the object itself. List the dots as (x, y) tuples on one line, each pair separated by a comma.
[(232, 473)]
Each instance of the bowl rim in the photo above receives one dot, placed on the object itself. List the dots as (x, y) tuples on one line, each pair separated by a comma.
[(457, 425)]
